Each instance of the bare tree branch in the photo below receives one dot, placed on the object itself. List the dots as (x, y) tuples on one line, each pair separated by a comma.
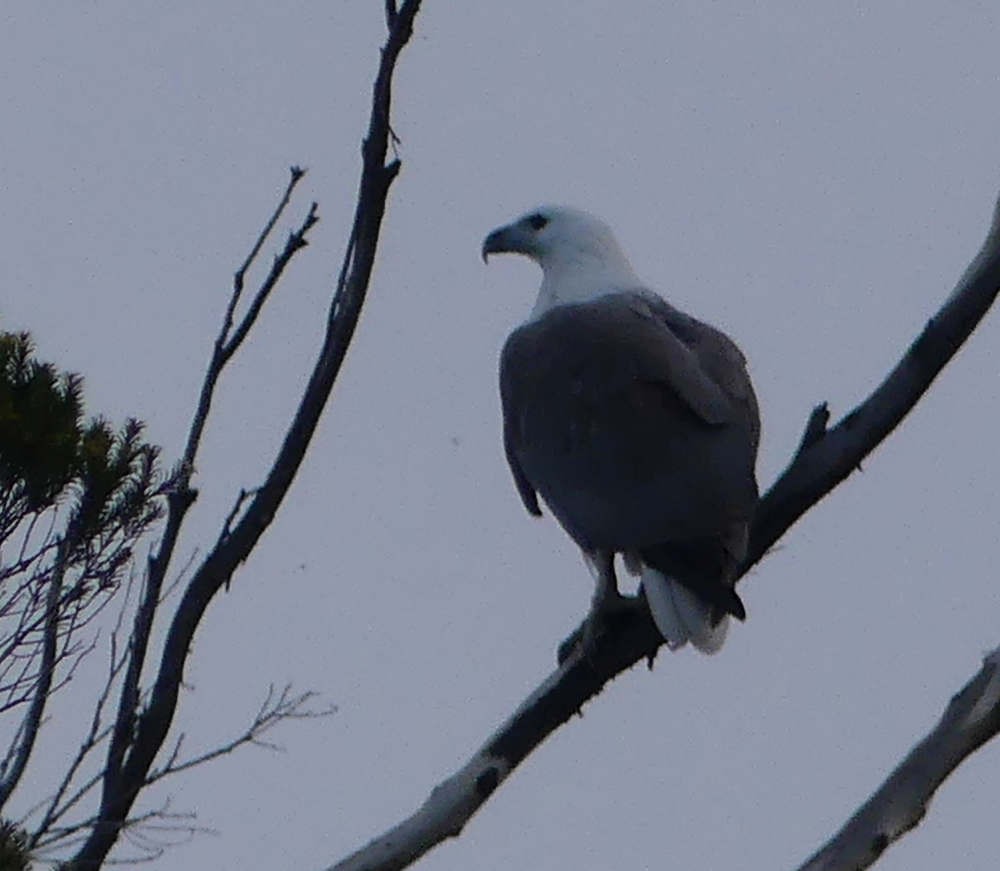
[(43, 684), (139, 737), (182, 496), (227, 524), (58, 805), (275, 709), (971, 719), (296, 175), (296, 241), (826, 458), (145, 831), (823, 459)]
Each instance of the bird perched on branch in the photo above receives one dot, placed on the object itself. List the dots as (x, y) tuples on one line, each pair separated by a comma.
[(637, 425)]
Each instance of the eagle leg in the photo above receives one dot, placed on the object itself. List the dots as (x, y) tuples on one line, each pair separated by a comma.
[(602, 566), (606, 603)]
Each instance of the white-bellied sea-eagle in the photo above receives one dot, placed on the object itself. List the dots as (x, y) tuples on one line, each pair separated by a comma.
[(636, 423)]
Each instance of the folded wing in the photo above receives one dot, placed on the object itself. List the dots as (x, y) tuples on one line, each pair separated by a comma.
[(636, 423)]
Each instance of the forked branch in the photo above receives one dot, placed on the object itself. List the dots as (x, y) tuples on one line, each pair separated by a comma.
[(139, 736)]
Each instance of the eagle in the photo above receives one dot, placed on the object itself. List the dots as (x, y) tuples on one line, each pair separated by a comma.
[(636, 424)]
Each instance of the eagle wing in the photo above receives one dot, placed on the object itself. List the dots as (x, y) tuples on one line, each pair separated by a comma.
[(635, 423)]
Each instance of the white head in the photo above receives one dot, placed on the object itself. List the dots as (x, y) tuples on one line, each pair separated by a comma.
[(578, 253)]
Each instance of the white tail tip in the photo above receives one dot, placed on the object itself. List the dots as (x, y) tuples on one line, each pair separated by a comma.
[(680, 615)]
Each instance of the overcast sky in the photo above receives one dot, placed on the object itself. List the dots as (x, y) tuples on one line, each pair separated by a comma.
[(813, 180)]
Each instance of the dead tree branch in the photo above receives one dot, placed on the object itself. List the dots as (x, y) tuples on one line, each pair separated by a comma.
[(63, 801), (138, 736), (276, 708), (971, 719), (43, 683), (823, 459), (182, 496)]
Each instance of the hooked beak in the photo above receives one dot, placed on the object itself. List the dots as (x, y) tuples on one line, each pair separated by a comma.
[(498, 242)]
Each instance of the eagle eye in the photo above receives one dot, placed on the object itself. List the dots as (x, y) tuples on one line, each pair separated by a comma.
[(537, 221)]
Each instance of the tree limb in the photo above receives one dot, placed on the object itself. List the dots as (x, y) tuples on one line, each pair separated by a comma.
[(971, 719), (295, 176), (138, 739), (823, 459), (43, 682), (59, 804), (181, 496), (296, 240)]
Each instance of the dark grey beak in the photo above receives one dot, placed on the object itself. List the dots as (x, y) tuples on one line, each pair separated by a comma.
[(496, 243)]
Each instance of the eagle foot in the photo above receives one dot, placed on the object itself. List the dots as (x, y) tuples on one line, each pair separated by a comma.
[(596, 627)]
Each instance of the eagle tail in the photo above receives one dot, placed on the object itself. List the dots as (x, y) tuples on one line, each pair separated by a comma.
[(680, 615)]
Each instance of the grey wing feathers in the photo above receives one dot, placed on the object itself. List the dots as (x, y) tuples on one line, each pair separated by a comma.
[(718, 357), (524, 488), (634, 422), (664, 356), (528, 495)]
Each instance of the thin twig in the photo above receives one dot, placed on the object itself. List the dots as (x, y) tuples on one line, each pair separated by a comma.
[(295, 176), (227, 524), (43, 682), (272, 712), (95, 737), (296, 241)]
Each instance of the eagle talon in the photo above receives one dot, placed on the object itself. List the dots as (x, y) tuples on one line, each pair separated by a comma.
[(596, 626), (586, 638), (568, 645)]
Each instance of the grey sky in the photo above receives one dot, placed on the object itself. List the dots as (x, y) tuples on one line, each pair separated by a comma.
[(812, 180)]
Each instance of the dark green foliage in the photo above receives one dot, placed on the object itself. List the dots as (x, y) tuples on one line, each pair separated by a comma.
[(107, 483), (75, 498), (13, 848), (40, 414)]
